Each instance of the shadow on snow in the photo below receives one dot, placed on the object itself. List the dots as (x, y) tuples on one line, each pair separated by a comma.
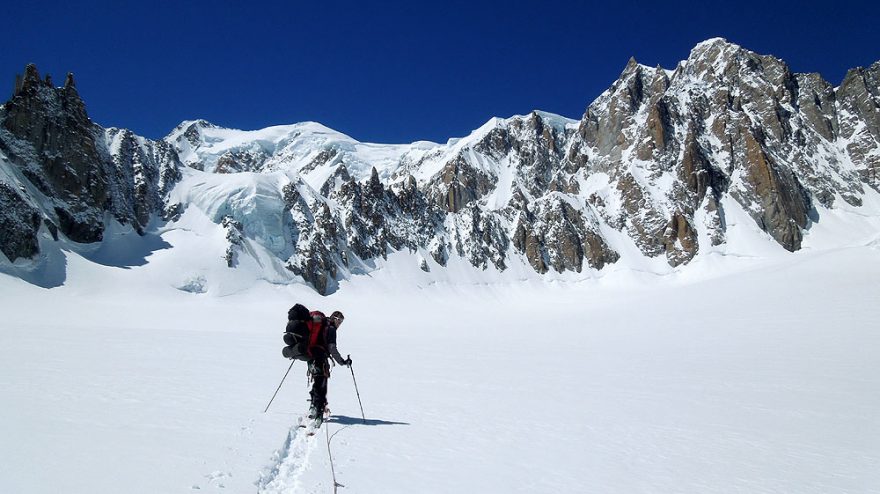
[(342, 419), (121, 248)]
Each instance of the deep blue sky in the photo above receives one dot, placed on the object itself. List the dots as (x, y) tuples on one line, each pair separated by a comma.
[(394, 71)]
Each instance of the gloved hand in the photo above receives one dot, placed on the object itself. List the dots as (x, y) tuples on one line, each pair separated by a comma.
[(347, 362)]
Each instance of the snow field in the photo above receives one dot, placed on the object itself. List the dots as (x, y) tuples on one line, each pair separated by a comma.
[(762, 380)]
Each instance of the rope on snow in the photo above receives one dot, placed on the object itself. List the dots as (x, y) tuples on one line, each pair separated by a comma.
[(330, 454)]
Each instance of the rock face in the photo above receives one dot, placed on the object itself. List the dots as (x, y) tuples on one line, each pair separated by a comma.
[(19, 222), (142, 173), (72, 169), (653, 167), (48, 135), (727, 121), (858, 120)]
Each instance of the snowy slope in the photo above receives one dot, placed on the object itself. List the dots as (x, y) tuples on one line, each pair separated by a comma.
[(742, 374), (291, 147)]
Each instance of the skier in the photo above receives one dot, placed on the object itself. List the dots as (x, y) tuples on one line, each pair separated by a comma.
[(319, 365)]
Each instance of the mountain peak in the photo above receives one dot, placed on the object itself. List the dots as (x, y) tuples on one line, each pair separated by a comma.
[(31, 78), (631, 67), (190, 130), (713, 48), (713, 56), (716, 41), (199, 122), (31, 73)]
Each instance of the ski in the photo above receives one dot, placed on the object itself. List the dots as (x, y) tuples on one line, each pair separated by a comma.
[(310, 426), (317, 422), (313, 424)]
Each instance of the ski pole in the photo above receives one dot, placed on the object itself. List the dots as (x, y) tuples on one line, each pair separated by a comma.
[(279, 386), (356, 391)]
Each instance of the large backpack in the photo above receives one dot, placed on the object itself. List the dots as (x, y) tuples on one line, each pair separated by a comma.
[(297, 330), (304, 335), (298, 313)]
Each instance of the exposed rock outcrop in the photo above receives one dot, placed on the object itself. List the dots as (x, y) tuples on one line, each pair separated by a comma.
[(19, 222), (80, 170)]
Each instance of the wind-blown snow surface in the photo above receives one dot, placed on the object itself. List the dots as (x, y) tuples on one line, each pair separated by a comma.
[(737, 374)]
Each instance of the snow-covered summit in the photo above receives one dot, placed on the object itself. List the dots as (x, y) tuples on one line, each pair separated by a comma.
[(714, 43), (311, 148)]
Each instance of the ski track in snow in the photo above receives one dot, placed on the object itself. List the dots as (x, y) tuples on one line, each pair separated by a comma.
[(291, 461)]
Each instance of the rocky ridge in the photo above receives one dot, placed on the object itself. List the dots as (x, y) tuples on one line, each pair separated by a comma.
[(68, 172), (655, 160)]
